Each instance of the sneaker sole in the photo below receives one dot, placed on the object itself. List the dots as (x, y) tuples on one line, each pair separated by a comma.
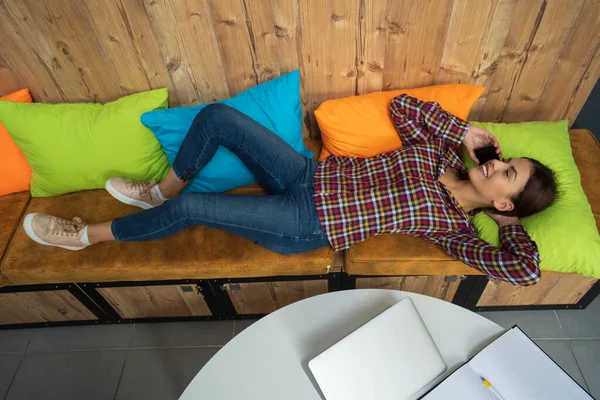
[(124, 199), (29, 231)]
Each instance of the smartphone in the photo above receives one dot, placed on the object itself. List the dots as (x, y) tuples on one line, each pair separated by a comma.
[(487, 153)]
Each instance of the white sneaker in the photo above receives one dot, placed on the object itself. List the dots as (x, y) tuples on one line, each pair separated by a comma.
[(138, 194)]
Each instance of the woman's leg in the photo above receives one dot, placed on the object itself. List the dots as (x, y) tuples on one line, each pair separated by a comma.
[(171, 186), (286, 223), (98, 233), (271, 160)]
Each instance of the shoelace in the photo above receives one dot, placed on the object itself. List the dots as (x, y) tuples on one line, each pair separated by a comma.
[(144, 188), (63, 227)]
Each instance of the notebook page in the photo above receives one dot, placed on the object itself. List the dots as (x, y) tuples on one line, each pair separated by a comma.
[(463, 384), (518, 369)]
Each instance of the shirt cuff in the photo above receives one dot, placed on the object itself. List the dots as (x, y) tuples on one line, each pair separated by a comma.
[(462, 128), (512, 231)]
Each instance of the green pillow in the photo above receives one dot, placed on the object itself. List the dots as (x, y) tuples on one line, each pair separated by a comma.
[(566, 232), (73, 147)]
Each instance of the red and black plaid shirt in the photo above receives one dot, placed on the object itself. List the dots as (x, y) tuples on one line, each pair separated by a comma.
[(399, 192)]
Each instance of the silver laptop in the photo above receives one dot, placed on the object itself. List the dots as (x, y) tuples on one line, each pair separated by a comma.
[(390, 357)]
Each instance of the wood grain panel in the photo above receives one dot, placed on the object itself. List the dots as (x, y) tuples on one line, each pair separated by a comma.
[(538, 67), (76, 54), (275, 35), (524, 18), (111, 28), (434, 286), (491, 52), (266, 297), (415, 45), (30, 55), (236, 47), (155, 301), (194, 301), (147, 47), (539, 59), (551, 290), (577, 62), (584, 88), (372, 46), (467, 31), (264, 39), (188, 45), (286, 23), (46, 306), (329, 41)]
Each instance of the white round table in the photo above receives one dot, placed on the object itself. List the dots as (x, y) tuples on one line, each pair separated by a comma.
[(269, 360)]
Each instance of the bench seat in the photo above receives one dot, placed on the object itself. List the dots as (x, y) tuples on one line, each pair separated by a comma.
[(195, 253), (12, 208)]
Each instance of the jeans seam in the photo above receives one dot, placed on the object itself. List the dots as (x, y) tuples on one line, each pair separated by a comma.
[(114, 232), (192, 166), (302, 185)]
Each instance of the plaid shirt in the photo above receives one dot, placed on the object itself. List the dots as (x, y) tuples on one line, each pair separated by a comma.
[(399, 192)]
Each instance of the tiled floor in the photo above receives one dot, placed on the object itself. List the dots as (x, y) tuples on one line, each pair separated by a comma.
[(157, 361)]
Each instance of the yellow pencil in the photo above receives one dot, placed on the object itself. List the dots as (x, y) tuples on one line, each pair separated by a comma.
[(492, 389)]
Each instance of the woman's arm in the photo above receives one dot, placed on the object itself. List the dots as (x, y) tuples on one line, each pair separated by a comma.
[(419, 122), (516, 261)]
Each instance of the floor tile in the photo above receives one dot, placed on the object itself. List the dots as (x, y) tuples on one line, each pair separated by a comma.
[(161, 374), (14, 340), (8, 367), (536, 324), (91, 337), (581, 324), (90, 375), (241, 324), (175, 334), (587, 354), (560, 352)]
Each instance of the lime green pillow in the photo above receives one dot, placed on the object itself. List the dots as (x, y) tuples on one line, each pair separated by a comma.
[(566, 233), (73, 147)]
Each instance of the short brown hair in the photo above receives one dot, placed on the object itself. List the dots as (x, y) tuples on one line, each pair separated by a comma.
[(539, 193)]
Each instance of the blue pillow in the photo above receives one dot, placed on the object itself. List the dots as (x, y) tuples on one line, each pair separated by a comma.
[(274, 104)]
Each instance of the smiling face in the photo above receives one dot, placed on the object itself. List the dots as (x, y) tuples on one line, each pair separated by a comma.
[(500, 181)]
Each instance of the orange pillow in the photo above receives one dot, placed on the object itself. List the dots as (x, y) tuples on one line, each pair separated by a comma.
[(15, 173), (361, 126)]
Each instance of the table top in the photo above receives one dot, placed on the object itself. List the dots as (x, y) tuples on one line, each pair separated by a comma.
[(269, 359)]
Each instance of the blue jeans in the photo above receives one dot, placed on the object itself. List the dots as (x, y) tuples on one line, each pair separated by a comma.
[(285, 220)]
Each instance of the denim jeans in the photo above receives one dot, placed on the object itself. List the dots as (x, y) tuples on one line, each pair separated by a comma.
[(285, 220)]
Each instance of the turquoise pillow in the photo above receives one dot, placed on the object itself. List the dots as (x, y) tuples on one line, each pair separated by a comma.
[(566, 232), (72, 147), (274, 104)]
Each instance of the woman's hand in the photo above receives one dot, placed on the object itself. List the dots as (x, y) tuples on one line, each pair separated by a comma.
[(477, 137), (502, 220)]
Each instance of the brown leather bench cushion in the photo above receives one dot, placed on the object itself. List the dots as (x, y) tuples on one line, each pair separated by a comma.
[(195, 253), (12, 208), (406, 255)]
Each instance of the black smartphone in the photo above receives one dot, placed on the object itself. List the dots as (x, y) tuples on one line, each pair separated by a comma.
[(487, 153)]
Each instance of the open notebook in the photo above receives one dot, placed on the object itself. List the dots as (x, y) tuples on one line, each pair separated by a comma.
[(516, 368)]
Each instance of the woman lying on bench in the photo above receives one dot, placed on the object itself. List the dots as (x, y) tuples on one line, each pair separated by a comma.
[(423, 190)]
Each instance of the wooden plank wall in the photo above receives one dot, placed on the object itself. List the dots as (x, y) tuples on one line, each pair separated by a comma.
[(539, 59)]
